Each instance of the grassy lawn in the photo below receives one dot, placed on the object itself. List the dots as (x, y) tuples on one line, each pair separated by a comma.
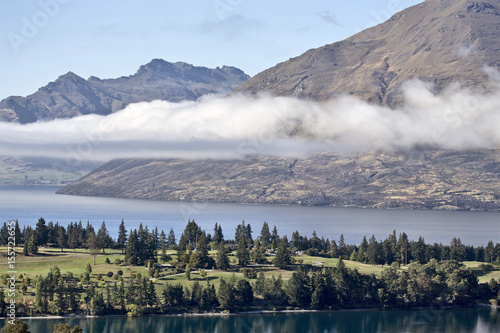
[(483, 275)]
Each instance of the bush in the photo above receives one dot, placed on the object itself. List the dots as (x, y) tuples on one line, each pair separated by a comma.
[(118, 261), (120, 272), (115, 276), (107, 260), (98, 277), (110, 274)]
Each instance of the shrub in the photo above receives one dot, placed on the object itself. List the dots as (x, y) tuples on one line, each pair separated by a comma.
[(120, 272), (110, 274), (107, 260), (98, 277), (118, 261)]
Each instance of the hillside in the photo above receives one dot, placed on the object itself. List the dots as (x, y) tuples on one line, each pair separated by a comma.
[(70, 95), (415, 179), (438, 41)]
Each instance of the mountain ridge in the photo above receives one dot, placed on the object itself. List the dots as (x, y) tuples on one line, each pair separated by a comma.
[(439, 41), (70, 95)]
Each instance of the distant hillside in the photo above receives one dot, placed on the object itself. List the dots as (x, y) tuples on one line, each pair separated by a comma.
[(71, 95), (413, 179), (439, 41)]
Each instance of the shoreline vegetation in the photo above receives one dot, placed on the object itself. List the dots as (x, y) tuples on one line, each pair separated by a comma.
[(74, 271)]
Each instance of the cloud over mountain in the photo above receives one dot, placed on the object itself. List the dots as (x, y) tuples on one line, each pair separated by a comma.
[(234, 126)]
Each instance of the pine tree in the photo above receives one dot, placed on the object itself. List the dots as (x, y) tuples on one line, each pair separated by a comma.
[(171, 239), (122, 236), (342, 246), (222, 261), (32, 243), (282, 258), (242, 252), (131, 253), (299, 289), (41, 232), (265, 235), (62, 238), (225, 296), (218, 235)]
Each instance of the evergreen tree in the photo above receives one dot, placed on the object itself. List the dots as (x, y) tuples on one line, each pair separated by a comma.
[(171, 239), (218, 235), (334, 249), (41, 232), (404, 247), (122, 236), (298, 289), (457, 250), (342, 247), (225, 296), (4, 234), (25, 248), (32, 243), (363, 251), (242, 252), (374, 252), (131, 251), (222, 261), (62, 238), (103, 238), (243, 293), (163, 241), (282, 258), (265, 235)]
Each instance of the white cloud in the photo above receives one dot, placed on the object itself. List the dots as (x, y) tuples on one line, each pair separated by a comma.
[(237, 125)]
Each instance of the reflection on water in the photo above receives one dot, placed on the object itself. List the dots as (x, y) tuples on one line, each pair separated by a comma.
[(423, 321)]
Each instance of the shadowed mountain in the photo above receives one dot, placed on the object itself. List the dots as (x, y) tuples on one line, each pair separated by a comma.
[(439, 41), (71, 95)]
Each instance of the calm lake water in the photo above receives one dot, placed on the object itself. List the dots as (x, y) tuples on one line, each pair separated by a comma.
[(425, 321), (28, 203)]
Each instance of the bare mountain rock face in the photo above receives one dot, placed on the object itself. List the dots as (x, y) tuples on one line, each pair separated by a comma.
[(412, 179), (439, 41), (70, 95)]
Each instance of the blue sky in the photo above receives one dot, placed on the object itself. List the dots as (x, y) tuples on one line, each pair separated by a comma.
[(43, 39)]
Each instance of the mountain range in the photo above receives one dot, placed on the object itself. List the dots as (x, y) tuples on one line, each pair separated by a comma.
[(70, 95), (437, 41)]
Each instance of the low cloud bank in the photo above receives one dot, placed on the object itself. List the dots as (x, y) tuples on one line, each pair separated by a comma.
[(238, 125)]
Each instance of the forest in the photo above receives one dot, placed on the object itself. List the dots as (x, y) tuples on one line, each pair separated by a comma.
[(210, 272)]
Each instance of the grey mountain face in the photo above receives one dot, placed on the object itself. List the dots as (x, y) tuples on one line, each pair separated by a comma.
[(71, 95), (439, 41)]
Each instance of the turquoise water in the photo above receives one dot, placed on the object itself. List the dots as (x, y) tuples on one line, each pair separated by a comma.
[(423, 321)]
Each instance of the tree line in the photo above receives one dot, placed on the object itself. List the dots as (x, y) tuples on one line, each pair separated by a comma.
[(142, 244)]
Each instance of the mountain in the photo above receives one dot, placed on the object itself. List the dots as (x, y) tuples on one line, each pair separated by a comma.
[(71, 95), (411, 179), (439, 41)]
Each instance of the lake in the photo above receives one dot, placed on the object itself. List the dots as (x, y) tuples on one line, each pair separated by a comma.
[(28, 203), (423, 321)]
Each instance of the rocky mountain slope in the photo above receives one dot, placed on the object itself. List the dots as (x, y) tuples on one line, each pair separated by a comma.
[(439, 41), (413, 179), (71, 95)]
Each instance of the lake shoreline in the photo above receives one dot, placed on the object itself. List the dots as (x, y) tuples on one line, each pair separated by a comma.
[(256, 312)]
